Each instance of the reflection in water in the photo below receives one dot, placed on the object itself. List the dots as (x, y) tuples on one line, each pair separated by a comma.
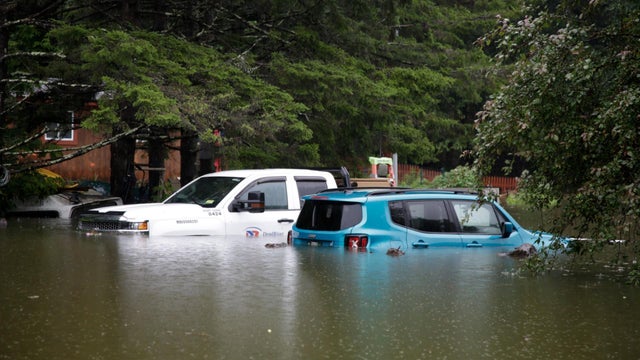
[(68, 295)]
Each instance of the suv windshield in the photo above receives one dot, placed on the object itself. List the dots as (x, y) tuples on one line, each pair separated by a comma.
[(329, 215), (206, 191)]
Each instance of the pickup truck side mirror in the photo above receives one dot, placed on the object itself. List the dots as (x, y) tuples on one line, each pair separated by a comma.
[(254, 203), (507, 229)]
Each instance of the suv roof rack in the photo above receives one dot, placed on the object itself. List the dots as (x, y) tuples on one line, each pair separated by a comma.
[(387, 191), (378, 191)]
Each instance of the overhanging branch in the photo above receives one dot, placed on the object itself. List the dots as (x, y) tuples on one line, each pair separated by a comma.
[(25, 141), (78, 152), (32, 54)]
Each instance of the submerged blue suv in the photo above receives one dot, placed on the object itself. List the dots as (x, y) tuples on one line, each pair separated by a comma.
[(380, 219)]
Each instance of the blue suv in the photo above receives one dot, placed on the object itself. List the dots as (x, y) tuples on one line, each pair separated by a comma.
[(380, 219)]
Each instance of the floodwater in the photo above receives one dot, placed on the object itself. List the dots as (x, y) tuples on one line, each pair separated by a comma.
[(70, 295)]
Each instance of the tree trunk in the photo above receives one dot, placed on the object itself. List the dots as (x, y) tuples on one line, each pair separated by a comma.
[(4, 50), (205, 155), (188, 156), (156, 166), (159, 18), (129, 11), (123, 179)]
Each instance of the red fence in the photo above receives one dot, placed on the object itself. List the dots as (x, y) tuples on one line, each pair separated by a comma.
[(505, 184), (406, 171)]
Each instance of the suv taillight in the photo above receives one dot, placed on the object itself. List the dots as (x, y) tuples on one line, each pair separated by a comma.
[(289, 237), (356, 242)]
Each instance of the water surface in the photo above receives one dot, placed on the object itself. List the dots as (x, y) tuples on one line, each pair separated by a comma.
[(70, 295)]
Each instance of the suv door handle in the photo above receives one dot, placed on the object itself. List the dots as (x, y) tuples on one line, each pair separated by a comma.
[(285, 220), (420, 244)]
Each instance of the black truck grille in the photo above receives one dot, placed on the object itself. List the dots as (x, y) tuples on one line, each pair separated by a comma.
[(102, 225)]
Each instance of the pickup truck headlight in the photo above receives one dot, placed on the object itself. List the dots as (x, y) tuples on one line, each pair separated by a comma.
[(139, 226)]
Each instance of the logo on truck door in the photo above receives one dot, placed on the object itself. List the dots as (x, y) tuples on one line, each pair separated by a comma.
[(255, 232), (252, 232)]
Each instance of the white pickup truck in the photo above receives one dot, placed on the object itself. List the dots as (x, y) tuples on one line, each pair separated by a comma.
[(252, 203)]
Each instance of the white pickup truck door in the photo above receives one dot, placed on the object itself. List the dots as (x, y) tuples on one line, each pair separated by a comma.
[(282, 206)]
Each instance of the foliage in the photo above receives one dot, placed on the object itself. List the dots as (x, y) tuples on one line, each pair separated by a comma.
[(515, 199), (415, 179), (570, 111), (372, 108), (460, 177), (28, 185), (289, 83), (633, 277), (395, 77)]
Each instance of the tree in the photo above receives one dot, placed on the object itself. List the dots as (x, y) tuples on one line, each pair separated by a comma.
[(570, 112), (292, 83), (29, 98), (393, 76), (147, 80)]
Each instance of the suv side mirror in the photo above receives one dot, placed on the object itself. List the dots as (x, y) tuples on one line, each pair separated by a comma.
[(254, 203), (507, 229)]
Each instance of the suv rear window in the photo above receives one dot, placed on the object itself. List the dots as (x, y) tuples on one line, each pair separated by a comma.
[(329, 215)]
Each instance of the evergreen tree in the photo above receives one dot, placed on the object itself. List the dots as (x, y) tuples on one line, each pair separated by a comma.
[(292, 83)]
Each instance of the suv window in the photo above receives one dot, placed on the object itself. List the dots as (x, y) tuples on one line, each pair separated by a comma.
[(329, 215), (421, 215), (476, 218), (398, 215), (275, 193)]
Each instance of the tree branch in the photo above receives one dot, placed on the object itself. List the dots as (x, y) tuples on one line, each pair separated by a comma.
[(32, 54), (25, 141), (29, 21), (79, 151)]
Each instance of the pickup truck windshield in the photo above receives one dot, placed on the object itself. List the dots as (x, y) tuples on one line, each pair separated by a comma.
[(206, 191)]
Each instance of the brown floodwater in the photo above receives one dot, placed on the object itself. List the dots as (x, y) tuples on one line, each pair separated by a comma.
[(65, 294)]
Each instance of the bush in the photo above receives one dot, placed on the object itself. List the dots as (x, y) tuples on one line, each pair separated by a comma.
[(414, 180), (460, 177)]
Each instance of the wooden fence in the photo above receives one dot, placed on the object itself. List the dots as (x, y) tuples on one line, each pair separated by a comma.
[(504, 183), (406, 171)]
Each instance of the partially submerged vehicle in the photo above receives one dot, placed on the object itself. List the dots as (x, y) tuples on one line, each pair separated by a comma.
[(252, 203), (69, 202), (404, 219)]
